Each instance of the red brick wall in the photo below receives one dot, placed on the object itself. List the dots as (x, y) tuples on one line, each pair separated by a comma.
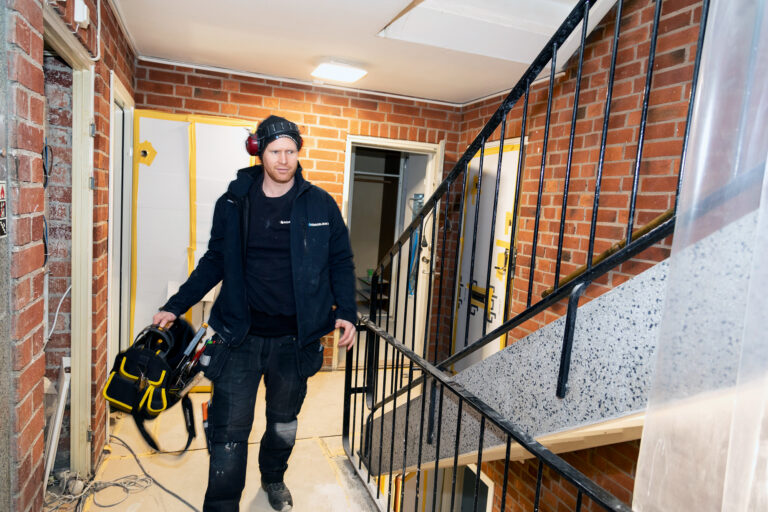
[(659, 164), (58, 211), (25, 126), (612, 467), (325, 116), (25, 120)]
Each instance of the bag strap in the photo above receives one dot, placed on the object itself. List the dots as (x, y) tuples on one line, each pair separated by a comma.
[(189, 420), (152, 333)]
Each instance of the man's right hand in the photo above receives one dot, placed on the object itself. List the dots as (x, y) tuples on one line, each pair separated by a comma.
[(163, 318)]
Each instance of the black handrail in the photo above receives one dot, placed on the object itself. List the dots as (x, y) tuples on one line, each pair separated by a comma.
[(464, 398)]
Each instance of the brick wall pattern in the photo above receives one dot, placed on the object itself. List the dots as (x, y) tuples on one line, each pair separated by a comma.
[(612, 467), (27, 204), (58, 211)]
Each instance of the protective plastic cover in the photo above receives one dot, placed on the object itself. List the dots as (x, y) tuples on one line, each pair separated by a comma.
[(705, 442)]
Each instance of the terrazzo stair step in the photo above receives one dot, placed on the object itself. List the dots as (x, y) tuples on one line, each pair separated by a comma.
[(610, 374), (614, 340)]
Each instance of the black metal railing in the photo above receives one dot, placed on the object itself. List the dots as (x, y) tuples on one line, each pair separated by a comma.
[(375, 454), (407, 329)]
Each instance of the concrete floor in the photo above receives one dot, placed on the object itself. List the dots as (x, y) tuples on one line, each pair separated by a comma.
[(319, 475)]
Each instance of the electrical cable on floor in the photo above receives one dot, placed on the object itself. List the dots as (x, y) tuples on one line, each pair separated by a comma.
[(120, 441), (130, 484)]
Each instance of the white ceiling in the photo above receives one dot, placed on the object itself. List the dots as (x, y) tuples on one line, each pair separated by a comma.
[(452, 51)]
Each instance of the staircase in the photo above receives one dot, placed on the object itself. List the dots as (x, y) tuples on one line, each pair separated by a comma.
[(613, 348), (572, 373)]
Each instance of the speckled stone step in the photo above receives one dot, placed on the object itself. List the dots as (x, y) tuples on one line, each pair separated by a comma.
[(610, 374), (613, 344)]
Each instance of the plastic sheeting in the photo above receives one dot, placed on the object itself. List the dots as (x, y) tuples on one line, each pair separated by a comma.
[(705, 441)]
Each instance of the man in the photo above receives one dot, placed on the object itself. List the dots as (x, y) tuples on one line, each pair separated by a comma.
[(281, 250)]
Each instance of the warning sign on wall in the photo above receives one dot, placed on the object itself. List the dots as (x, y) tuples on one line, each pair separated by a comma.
[(3, 221)]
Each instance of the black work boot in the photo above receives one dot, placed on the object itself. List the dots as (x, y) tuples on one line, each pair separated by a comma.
[(279, 496)]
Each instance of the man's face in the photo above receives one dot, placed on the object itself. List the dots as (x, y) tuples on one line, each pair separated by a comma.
[(280, 160)]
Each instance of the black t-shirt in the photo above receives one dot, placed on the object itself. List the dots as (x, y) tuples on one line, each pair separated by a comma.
[(268, 274)]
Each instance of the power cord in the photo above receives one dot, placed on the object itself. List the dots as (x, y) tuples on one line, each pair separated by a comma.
[(120, 441), (74, 490)]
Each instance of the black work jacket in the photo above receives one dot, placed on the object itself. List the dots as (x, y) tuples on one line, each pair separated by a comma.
[(321, 261)]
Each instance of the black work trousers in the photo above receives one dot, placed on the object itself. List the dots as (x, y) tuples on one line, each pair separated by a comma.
[(230, 416)]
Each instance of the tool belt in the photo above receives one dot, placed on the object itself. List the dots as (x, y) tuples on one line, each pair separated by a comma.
[(155, 373)]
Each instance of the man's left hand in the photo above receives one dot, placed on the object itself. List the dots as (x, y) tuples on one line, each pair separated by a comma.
[(347, 338)]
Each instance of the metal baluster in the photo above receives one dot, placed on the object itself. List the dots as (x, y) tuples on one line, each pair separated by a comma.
[(538, 487), (416, 284), (506, 474), (405, 431), (389, 292), (427, 320), (356, 348), (408, 271), (442, 271), (518, 187), (381, 420), (479, 463), (491, 244), (437, 445), (421, 444), (391, 448), (532, 266), (366, 371), (569, 162), (606, 117), (643, 119), (396, 354), (694, 88), (471, 280), (579, 495), (397, 290), (456, 453), (458, 251), (379, 278), (570, 326)]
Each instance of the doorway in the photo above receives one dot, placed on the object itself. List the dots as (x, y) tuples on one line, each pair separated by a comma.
[(386, 183)]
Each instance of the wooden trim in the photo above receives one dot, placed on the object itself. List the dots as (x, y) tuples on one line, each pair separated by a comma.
[(61, 39), (617, 430)]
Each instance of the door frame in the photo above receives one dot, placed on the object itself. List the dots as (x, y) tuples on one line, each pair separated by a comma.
[(69, 48), (119, 300), (435, 152), (434, 176)]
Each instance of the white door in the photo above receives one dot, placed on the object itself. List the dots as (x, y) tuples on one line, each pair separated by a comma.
[(411, 270), (471, 291), (182, 165)]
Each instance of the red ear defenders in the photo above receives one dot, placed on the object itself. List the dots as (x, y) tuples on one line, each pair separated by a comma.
[(252, 144), (267, 132)]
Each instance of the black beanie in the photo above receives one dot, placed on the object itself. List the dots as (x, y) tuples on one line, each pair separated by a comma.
[(274, 127)]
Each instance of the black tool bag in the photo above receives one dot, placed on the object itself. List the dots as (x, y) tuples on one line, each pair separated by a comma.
[(150, 377)]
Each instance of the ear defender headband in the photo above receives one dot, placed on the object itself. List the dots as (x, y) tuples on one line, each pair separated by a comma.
[(272, 128)]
